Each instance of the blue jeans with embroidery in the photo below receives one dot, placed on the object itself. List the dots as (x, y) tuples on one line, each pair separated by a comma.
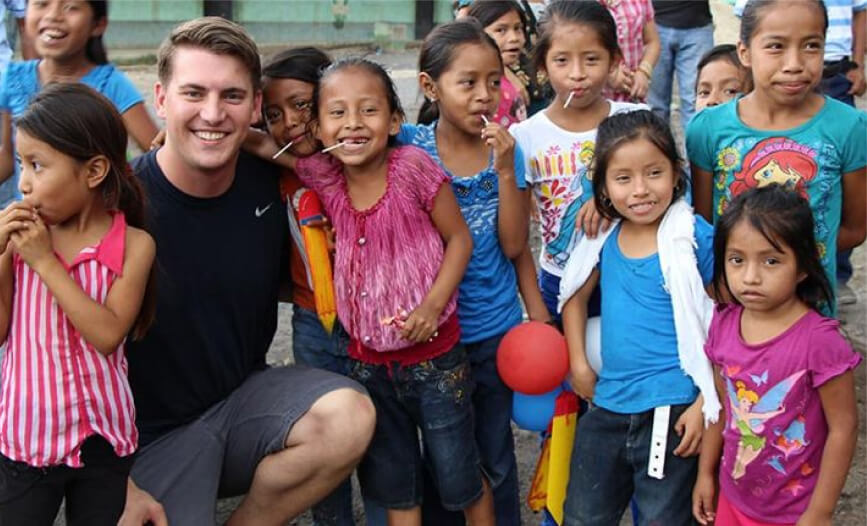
[(680, 52), (434, 397), (609, 466), (492, 404)]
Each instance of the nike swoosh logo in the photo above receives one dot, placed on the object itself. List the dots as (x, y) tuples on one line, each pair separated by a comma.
[(260, 211)]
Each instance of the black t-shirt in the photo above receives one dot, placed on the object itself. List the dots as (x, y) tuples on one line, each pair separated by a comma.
[(682, 14), (218, 268)]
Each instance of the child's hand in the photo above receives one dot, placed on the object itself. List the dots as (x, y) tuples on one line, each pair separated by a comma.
[(421, 324), (590, 220), (640, 85), (622, 79), (503, 145), (13, 218), (33, 243), (583, 381), (689, 427), (158, 140), (703, 494)]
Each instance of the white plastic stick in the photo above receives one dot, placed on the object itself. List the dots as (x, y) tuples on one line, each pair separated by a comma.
[(283, 149), (568, 100), (485, 119), (333, 147)]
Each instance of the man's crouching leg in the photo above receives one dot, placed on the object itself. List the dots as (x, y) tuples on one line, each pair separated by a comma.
[(322, 449)]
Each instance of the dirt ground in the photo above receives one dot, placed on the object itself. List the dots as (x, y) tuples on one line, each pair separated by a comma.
[(851, 508)]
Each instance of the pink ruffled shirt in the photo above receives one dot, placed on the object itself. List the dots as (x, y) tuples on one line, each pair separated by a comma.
[(388, 256)]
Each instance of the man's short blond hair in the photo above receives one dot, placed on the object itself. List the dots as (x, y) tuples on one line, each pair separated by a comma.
[(214, 34)]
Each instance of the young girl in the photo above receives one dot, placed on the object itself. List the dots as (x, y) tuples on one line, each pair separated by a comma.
[(504, 21), (721, 77), (652, 268), (73, 276), (289, 80), (461, 71), (638, 40), (402, 248), (577, 50), (784, 131), (67, 34), (784, 371)]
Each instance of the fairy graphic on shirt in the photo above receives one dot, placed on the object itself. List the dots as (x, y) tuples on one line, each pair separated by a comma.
[(750, 412)]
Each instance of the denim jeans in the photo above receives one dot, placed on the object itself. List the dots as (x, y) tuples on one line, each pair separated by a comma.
[(837, 87), (314, 347), (609, 466), (492, 405), (681, 50), (434, 397)]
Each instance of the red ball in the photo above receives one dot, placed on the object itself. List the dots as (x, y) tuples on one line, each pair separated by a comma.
[(532, 358)]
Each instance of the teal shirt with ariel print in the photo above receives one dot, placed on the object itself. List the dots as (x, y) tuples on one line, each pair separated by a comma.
[(810, 159)]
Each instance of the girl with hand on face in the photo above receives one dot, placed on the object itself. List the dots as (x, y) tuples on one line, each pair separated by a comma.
[(74, 281)]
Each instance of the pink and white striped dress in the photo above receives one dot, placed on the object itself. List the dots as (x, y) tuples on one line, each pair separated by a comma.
[(57, 389)]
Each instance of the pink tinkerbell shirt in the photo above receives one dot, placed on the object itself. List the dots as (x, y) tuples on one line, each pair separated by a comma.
[(775, 427), (388, 256)]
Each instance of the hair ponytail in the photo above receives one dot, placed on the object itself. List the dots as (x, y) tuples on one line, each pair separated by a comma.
[(95, 49)]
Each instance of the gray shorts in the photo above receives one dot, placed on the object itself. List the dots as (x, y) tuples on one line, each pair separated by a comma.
[(216, 455)]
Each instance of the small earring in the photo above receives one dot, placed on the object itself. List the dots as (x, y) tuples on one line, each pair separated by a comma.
[(432, 100), (606, 201)]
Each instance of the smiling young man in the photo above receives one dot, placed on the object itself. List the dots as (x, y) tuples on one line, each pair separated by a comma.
[(214, 419)]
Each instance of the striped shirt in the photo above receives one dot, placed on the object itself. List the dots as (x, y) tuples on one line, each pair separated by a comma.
[(838, 39), (630, 16), (57, 389)]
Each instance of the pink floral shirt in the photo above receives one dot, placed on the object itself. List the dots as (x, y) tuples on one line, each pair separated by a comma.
[(388, 256)]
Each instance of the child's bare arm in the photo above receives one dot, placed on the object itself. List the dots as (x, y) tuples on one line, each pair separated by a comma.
[(841, 413), (7, 156), (512, 208), (704, 492), (702, 192), (6, 287), (140, 126), (102, 325), (448, 220), (262, 145), (583, 378), (528, 286), (853, 222)]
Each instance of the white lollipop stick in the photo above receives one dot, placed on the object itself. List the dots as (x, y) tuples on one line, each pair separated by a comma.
[(283, 149), (568, 100), (333, 147), (485, 119)]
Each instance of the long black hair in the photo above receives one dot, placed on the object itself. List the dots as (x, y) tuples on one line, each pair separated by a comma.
[(77, 121), (439, 50), (784, 218), (95, 49)]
